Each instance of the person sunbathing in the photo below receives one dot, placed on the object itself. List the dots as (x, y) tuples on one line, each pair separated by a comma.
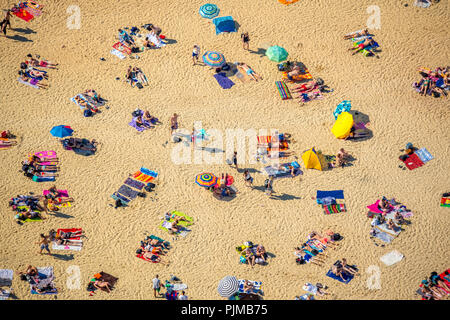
[(326, 240), (261, 252), (437, 281), (356, 34), (93, 94), (32, 81), (312, 251), (384, 205), (148, 256), (248, 286), (168, 216), (41, 63), (364, 45), (339, 161), (30, 214), (349, 268), (153, 249), (77, 143), (357, 133), (130, 76), (306, 97), (139, 74), (250, 72), (339, 271), (399, 219), (29, 272), (425, 86), (125, 38), (437, 292), (305, 87), (305, 257), (295, 71), (100, 284)]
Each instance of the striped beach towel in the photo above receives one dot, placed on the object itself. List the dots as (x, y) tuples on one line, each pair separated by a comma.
[(445, 202), (283, 90), (334, 208), (142, 177), (424, 155)]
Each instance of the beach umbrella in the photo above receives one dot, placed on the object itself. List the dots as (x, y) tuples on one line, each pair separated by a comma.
[(214, 59), (277, 53), (206, 180), (209, 11), (344, 106), (61, 131), (343, 125), (228, 286)]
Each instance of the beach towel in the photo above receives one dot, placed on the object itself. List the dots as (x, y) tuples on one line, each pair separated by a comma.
[(140, 176), (108, 278), (56, 246), (27, 83), (125, 50), (33, 10), (283, 90), (334, 208), (422, 3), (149, 172), (242, 75), (307, 296), (347, 276), (284, 171), (116, 196), (445, 202), (22, 14), (6, 277), (46, 277), (336, 194), (127, 192), (43, 179), (305, 76), (391, 258), (413, 162), (344, 106), (139, 128), (223, 80), (153, 38), (165, 225), (256, 286), (46, 154), (287, 2), (118, 54), (384, 228), (135, 184), (424, 155), (383, 236)]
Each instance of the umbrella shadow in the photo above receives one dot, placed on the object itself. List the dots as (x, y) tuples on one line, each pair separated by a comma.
[(58, 214), (19, 38)]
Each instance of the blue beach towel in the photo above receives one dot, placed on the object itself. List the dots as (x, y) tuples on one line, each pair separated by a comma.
[(43, 179), (346, 276), (148, 172), (424, 155), (337, 194), (223, 80)]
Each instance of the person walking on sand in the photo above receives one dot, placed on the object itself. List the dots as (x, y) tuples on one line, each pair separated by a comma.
[(156, 286), (234, 160), (44, 242), (195, 54), (248, 179), (173, 123), (6, 22), (245, 40), (268, 184)]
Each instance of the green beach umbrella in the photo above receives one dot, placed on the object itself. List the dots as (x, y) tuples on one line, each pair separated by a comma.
[(277, 53)]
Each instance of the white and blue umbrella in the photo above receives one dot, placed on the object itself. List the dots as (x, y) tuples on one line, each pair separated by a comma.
[(228, 286), (209, 11)]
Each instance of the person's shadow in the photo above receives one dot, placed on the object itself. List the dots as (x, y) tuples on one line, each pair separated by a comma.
[(64, 257), (261, 52), (284, 196), (25, 31), (17, 37)]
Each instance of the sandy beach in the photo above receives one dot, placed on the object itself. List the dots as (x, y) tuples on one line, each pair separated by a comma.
[(312, 33)]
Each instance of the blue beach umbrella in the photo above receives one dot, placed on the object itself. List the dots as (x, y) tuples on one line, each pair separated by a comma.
[(61, 131), (214, 59), (209, 11)]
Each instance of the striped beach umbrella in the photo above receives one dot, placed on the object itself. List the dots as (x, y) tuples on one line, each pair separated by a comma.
[(206, 180), (228, 286), (214, 59), (209, 11), (344, 106), (277, 53)]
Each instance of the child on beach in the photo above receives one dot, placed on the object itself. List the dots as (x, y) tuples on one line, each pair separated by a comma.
[(195, 54)]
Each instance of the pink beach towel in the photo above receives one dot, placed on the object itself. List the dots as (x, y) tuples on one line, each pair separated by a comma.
[(61, 193)]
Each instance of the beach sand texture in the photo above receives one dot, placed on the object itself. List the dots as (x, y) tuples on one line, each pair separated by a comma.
[(312, 32)]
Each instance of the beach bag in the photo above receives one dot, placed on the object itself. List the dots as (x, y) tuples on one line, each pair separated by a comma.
[(87, 113), (136, 113), (139, 85), (259, 261), (336, 237), (242, 259), (403, 157)]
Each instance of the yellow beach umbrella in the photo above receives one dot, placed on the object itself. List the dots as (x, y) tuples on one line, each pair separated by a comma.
[(343, 125)]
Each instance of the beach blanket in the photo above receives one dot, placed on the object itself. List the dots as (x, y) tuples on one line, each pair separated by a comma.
[(146, 178), (43, 179), (307, 296), (413, 162), (165, 225), (103, 276), (22, 14), (305, 76), (283, 90), (334, 208), (134, 184), (424, 155), (28, 83), (445, 202), (25, 208), (48, 155), (6, 277), (336, 194), (153, 38), (116, 196), (242, 75), (391, 258), (61, 194), (118, 54), (223, 80), (284, 171), (384, 228), (56, 246), (256, 286), (46, 277), (347, 276), (125, 50), (127, 192), (138, 128), (422, 3)]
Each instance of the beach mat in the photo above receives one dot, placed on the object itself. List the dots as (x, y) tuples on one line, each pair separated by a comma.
[(347, 277), (334, 208), (391, 258), (6, 277), (223, 80), (128, 192), (117, 196), (413, 162), (445, 202), (424, 155), (27, 83), (337, 194), (142, 177), (134, 184), (283, 90), (122, 48), (23, 14), (108, 278), (287, 2)]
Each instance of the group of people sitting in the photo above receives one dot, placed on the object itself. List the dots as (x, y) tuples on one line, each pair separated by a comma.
[(152, 248), (152, 39), (89, 101), (79, 144), (435, 287), (435, 83), (39, 284), (66, 238), (224, 188), (33, 167), (252, 254), (385, 207), (29, 73), (143, 119), (342, 158), (313, 250), (135, 76)]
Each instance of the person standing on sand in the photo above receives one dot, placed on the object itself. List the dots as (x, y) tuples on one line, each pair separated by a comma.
[(156, 286), (6, 22), (173, 123), (245, 40), (234, 160), (44, 242), (195, 54)]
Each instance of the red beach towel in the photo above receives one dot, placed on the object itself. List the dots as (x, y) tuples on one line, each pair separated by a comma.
[(413, 162)]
